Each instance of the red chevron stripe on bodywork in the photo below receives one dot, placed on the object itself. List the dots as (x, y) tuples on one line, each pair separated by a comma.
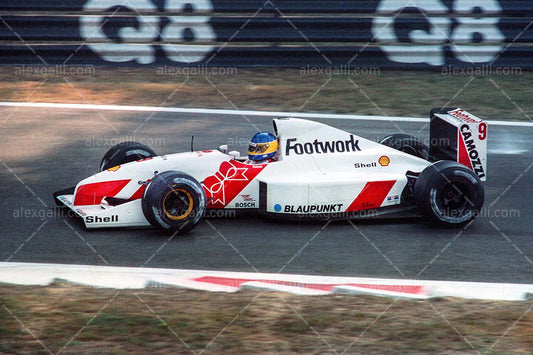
[(92, 194), (372, 195)]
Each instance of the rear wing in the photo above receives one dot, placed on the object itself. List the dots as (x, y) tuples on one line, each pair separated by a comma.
[(458, 135)]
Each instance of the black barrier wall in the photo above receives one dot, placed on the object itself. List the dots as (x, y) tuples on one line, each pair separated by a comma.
[(275, 33)]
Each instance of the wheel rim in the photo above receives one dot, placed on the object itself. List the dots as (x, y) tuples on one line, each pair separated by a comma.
[(455, 199), (178, 204)]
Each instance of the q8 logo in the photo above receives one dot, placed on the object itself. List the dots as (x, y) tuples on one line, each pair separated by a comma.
[(459, 32), (132, 40)]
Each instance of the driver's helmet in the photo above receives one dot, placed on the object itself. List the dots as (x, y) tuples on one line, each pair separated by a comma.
[(263, 146)]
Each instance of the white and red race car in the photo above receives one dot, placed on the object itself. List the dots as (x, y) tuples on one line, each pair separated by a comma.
[(319, 172)]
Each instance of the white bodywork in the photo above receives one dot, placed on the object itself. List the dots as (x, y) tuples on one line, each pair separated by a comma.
[(318, 178), (318, 170)]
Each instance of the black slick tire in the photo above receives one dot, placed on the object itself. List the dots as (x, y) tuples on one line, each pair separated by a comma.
[(174, 202), (407, 144), (125, 152), (449, 193)]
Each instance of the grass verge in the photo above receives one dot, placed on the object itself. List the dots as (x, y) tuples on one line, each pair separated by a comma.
[(381, 92), (74, 319)]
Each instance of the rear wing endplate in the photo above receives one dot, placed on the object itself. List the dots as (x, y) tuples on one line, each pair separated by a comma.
[(458, 135)]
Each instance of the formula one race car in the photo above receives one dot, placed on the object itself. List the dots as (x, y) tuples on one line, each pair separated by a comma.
[(318, 171)]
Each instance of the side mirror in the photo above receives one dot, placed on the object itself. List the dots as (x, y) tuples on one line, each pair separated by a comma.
[(235, 154), (223, 148)]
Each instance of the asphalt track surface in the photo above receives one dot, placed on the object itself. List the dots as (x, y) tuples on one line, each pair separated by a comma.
[(44, 150)]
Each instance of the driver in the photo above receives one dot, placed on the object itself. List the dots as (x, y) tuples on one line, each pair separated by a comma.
[(262, 148)]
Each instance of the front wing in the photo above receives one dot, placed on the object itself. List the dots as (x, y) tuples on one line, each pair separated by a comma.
[(128, 214)]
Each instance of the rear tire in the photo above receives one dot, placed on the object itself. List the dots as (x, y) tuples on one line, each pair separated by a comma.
[(174, 202), (449, 193), (125, 152), (407, 144)]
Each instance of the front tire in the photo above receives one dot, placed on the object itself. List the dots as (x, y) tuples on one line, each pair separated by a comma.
[(174, 202), (407, 144), (449, 193), (125, 152)]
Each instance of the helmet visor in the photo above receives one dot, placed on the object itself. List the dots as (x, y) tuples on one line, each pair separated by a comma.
[(258, 148)]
